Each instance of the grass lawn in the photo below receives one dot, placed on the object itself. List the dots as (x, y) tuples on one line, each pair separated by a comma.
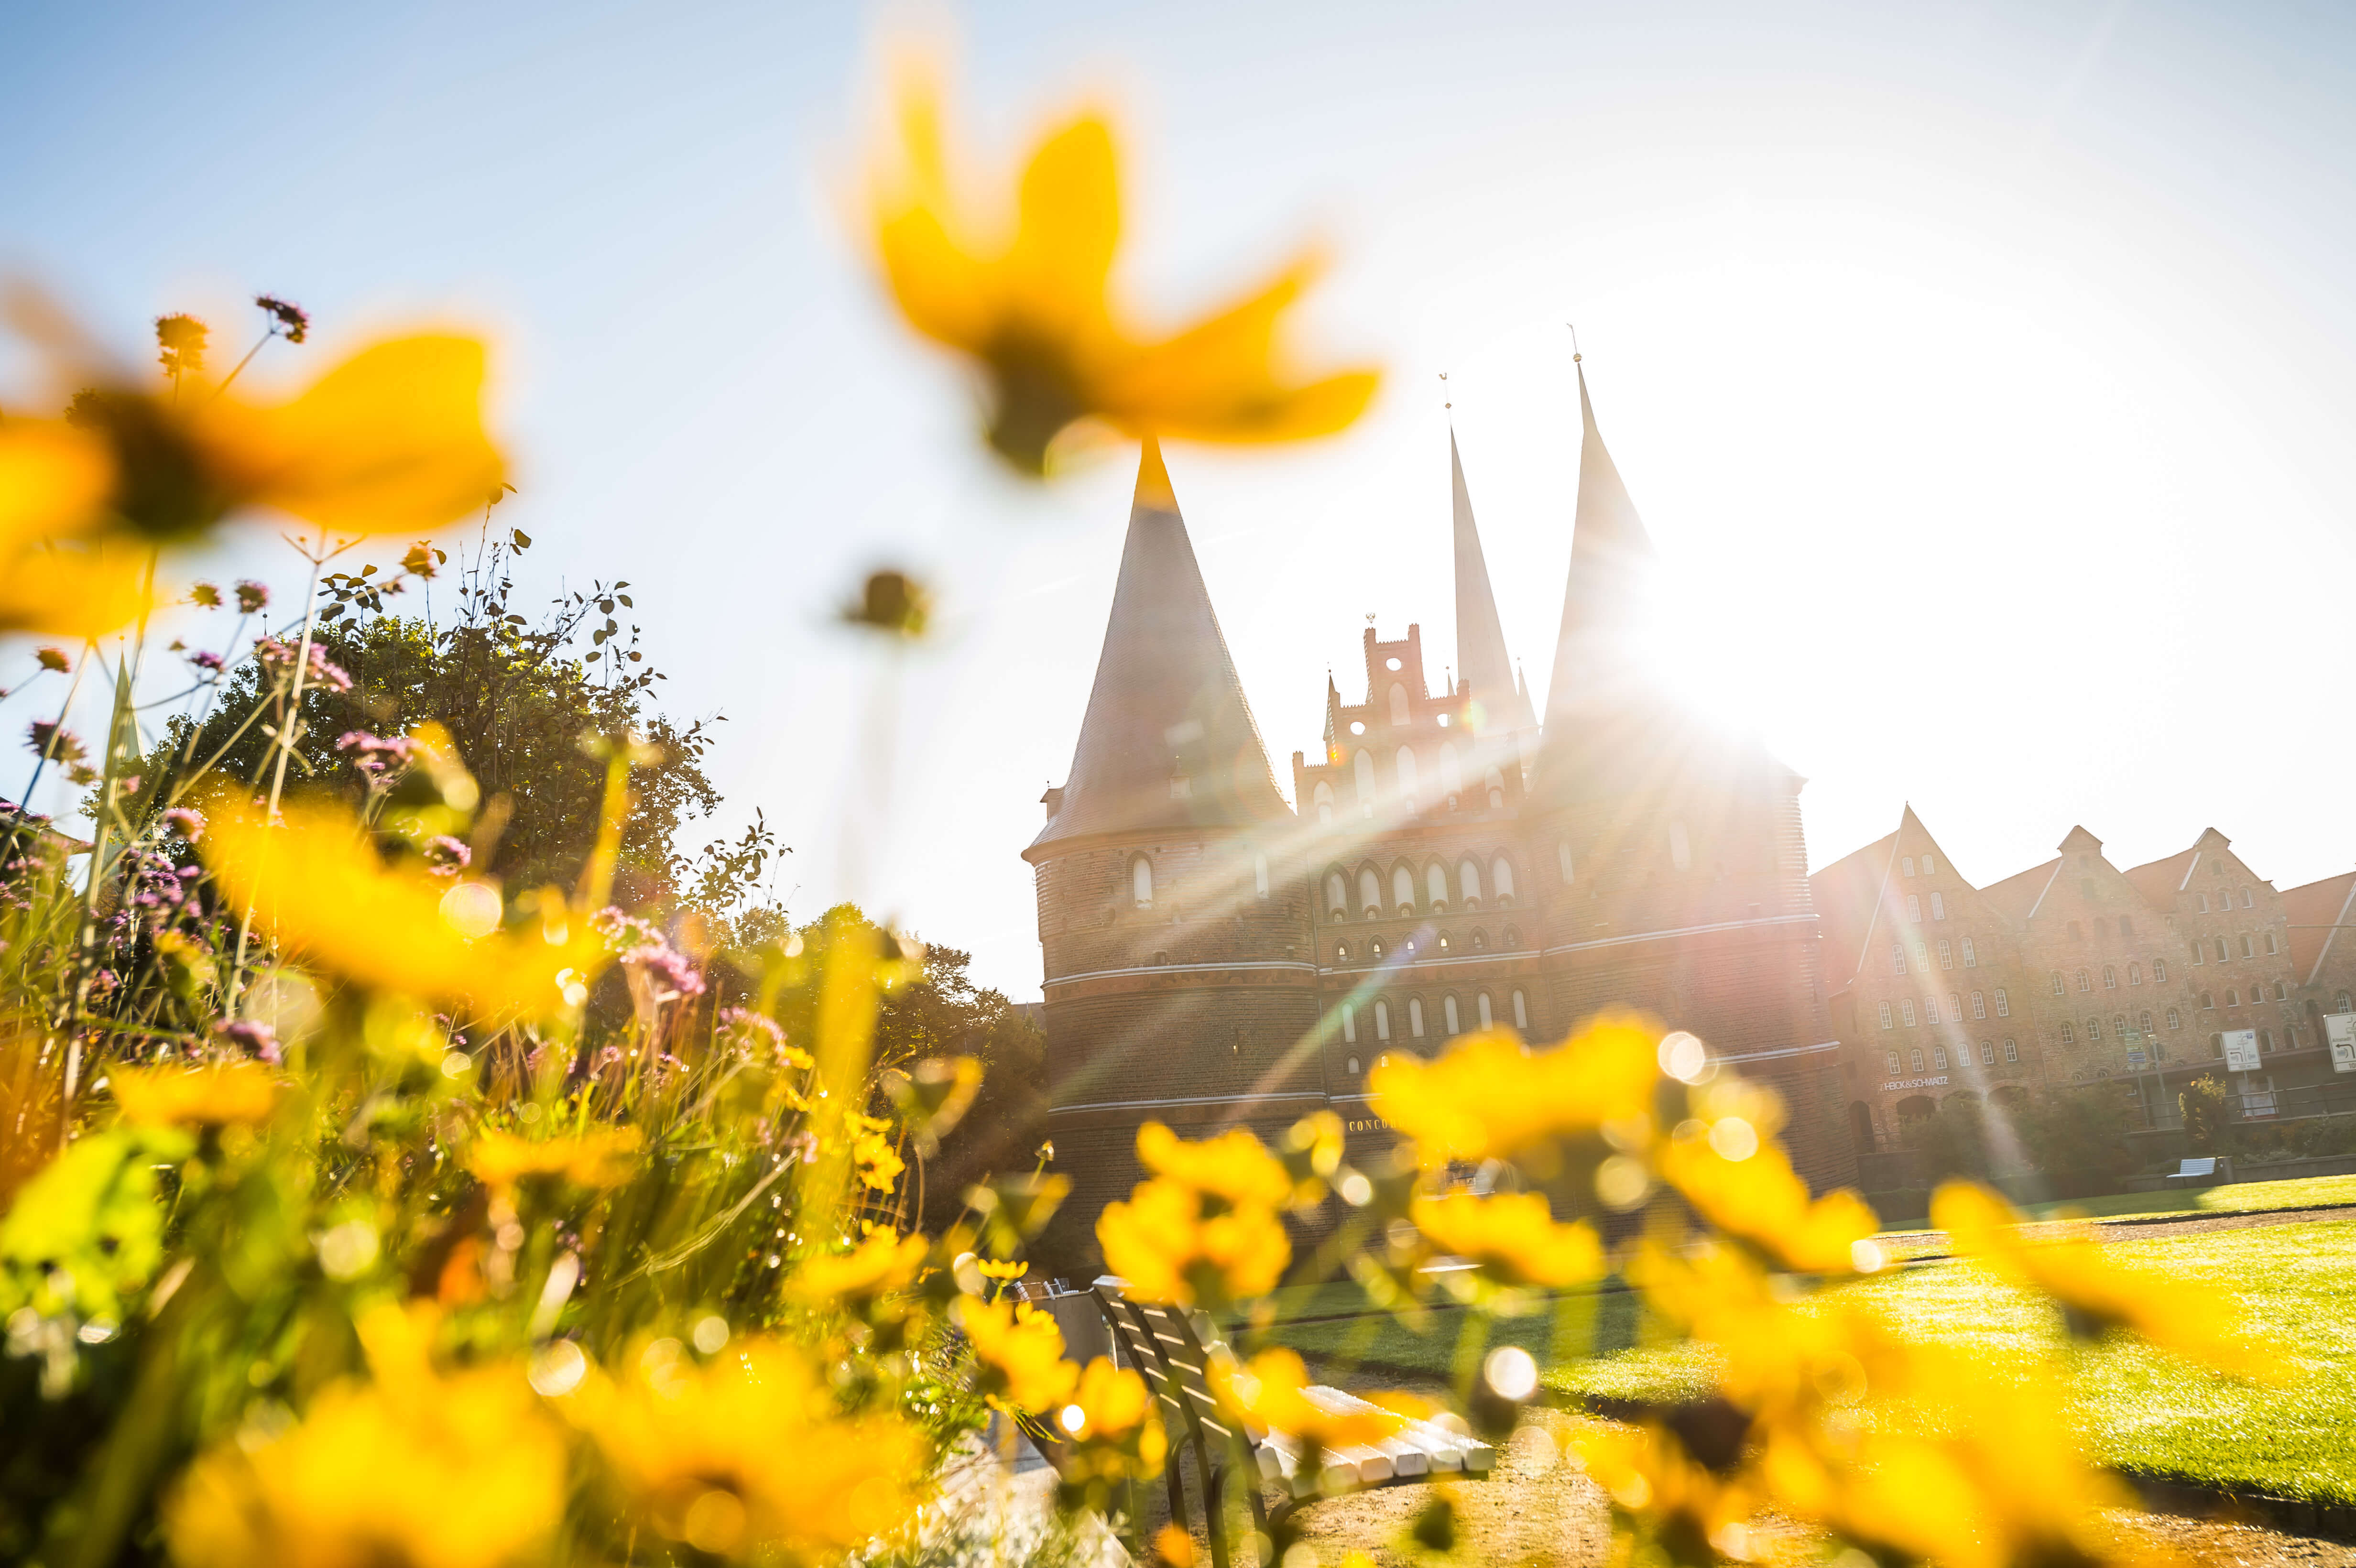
[(2241, 1198), (2142, 1412)]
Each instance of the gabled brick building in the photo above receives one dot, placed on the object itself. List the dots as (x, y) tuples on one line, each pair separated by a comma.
[(1215, 956)]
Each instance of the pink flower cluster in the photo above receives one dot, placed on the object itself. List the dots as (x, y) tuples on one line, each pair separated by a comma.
[(276, 656)]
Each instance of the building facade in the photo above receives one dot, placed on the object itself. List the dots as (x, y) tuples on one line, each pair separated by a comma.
[(1215, 956), (2077, 973)]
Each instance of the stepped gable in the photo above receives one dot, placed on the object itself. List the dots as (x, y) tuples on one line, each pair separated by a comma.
[(2019, 894), (1847, 898), (1480, 657), (1168, 740)]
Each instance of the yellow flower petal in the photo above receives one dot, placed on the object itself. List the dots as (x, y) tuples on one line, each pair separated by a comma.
[(207, 1096), (54, 480), (390, 441)]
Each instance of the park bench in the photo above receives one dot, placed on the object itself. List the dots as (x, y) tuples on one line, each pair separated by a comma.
[(2203, 1168), (1172, 1350)]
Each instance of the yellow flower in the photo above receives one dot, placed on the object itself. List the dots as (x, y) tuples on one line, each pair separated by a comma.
[(1028, 300), (208, 1096), (1270, 1394), (601, 1157), (879, 1266), (879, 1165), (1111, 1432), (992, 1269), (1511, 1239), (1018, 1353), (2095, 1294), (1681, 1506), (412, 1471), (697, 1450), (1171, 1246), (1173, 1547), (1759, 1198), (326, 897), (56, 577), (1234, 1167), (1491, 1097)]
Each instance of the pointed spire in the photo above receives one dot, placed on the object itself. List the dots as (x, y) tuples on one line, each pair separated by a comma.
[(1480, 637), (1610, 556), (1168, 740)]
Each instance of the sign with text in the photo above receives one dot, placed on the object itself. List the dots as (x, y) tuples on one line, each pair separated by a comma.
[(2340, 1029), (2241, 1050), (1915, 1083)]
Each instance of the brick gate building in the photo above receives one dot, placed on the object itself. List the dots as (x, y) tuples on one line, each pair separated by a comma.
[(1215, 956)]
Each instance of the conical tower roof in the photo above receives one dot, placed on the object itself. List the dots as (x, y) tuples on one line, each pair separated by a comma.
[(1595, 664), (1168, 740), (1481, 653)]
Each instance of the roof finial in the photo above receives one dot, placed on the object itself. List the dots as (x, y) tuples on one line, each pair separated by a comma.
[(1575, 355), (1443, 375)]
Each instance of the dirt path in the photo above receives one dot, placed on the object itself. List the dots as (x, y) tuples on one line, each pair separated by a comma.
[(1921, 1244)]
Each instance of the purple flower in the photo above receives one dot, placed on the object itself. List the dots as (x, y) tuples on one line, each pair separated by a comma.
[(669, 967), (251, 597), (207, 660), (289, 321), (448, 855), (187, 823), (256, 1038), (47, 739)]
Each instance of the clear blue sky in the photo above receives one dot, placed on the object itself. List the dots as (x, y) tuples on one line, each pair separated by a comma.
[(1983, 370)]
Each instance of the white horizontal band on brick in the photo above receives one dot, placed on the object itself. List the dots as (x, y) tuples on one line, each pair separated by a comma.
[(1184, 969), (1416, 961), (1683, 931), (1739, 1056), (1189, 1100)]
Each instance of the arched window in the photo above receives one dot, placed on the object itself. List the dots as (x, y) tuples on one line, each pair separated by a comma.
[(2093, 1029), (1907, 865), (1354, 1067), (1363, 769), (1914, 908), (1938, 906), (2003, 1003), (1338, 896), (2207, 1003), (1886, 1020), (1340, 953), (1521, 1012), (1323, 797), (1987, 1053), (1562, 860), (2085, 982), (1449, 1025), (1349, 1024), (1374, 949), (1939, 1057), (1929, 865), (2340, 1003), (2135, 974), (1399, 703), (2057, 983), (1414, 1016), (1468, 883), (1501, 882), (1494, 782), (2110, 977), (2175, 1018), (2119, 1025), (2233, 998), (2069, 1035), (1451, 773), (1403, 888), (2222, 954), (1680, 847), (1435, 885), (2246, 898), (1481, 1005), (1382, 1019), (2160, 971), (1259, 875), (1971, 954), (1906, 1011), (1891, 1058), (1898, 958), (1954, 1007), (1914, 1058), (1370, 892), (2011, 1051), (1513, 939), (1479, 940), (1946, 953), (1141, 882), (2146, 1023), (1406, 780), (2266, 1039), (1979, 1003), (2270, 942)]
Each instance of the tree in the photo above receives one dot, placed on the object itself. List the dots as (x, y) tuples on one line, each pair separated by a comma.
[(2207, 1112), (518, 699), (2078, 1138)]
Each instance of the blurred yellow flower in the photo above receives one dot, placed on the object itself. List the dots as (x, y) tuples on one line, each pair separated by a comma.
[(1270, 1394), (1511, 1239), (600, 1158), (992, 1269), (1234, 1167), (1683, 1507), (877, 1266), (879, 1164), (214, 1095), (56, 577), (329, 900), (1018, 1352), (1172, 1246), (746, 1458), (456, 1472), (2096, 1294), (1759, 1198), (1491, 1097), (1111, 1432), (1028, 296)]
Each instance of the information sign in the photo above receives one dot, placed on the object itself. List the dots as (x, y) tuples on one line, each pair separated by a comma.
[(2241, 1050), (2340, 1029)]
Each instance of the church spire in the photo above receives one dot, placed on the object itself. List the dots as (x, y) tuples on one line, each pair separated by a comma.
[(1480, 637), (1611, 557), (1168, 740)]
